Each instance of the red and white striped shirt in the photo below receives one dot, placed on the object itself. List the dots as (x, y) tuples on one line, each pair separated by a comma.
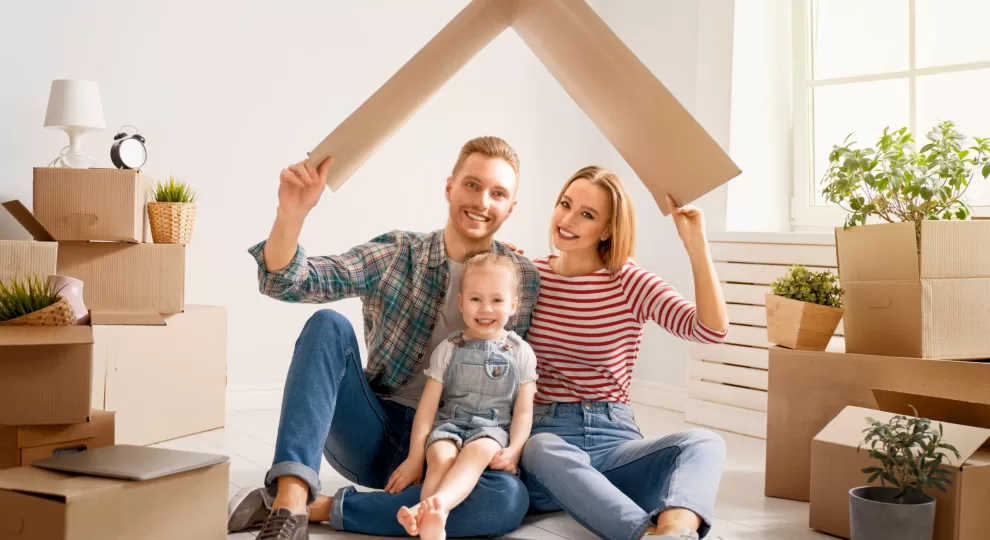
[(587, 330)]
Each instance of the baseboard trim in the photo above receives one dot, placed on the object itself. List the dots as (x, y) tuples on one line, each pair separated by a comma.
[(254, 399), (654, 394)]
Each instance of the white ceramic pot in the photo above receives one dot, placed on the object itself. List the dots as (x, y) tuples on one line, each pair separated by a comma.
[(71, 289)]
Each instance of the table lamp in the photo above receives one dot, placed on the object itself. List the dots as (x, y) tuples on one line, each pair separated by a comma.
[(75, 107)]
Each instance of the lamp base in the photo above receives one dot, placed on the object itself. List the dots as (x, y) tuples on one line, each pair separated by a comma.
[(73, 156), (77, 160)]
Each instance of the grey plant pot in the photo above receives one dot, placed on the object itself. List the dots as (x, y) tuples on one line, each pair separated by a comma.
[(874, 514)]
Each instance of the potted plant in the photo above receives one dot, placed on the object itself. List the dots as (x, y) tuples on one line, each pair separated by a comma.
[(803, 309), (895, 183), (34, 302), (172, 212), (910, 451)]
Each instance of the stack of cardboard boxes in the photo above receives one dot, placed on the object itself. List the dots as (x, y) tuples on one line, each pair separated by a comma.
[(144, 367), (917, 332)]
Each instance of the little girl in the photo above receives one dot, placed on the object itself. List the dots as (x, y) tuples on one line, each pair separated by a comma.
[(481, 382)]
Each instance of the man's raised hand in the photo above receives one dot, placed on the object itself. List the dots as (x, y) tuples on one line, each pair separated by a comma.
[(300, 187)]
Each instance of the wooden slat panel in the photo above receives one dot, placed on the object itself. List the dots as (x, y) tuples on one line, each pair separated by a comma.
[(759, 274), (731, 354), (745, 314), (745, 294), (745, 398), (757, 337), (748, 335), (726, 418), (724, 373), (774, 254), (757, 316)]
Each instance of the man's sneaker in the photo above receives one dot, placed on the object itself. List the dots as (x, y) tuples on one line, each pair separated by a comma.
[(683, 535), (282, 524), (248, 509)]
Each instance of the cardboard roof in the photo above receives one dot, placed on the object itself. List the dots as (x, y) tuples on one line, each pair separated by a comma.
[(666, 147)]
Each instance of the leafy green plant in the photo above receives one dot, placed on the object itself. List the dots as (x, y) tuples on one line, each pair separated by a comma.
[(911, 452), (801, 284), (173, 191), (896, 183), (20, 297)]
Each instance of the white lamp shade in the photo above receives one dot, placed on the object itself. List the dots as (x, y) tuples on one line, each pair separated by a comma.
[(75, 104)]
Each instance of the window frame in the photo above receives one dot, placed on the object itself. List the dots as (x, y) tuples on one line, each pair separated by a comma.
[(805, 215)]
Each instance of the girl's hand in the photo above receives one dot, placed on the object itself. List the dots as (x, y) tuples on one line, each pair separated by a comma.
[(507, 459), (690, 222), (409, 473)]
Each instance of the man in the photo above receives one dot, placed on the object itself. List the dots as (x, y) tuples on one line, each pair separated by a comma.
[(361, 419)]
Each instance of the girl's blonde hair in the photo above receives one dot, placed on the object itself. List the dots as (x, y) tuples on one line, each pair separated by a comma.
[(490, 259), (621, 230)]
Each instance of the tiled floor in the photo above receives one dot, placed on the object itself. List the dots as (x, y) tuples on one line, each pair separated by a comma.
[(742, 512)]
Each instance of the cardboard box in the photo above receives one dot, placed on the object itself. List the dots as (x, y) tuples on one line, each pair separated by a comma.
[(24, 445), (22, 258), (91, 204), (898, 302), (807, 389), (118, 275), (836, 466), (165, 381), (46, 374), (45, 505), (668, 149)]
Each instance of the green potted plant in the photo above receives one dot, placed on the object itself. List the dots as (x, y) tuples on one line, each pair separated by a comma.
[(910, 451), (34, 302), (172, 212), (803, 309), (895, 183)]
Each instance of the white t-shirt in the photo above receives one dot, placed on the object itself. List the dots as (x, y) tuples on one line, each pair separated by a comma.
[(449, 320), (525, 359)]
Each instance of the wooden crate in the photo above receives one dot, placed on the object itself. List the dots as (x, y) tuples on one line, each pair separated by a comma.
[(727, 387)]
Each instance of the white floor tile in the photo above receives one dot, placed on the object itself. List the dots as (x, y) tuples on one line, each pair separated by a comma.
[(741, 512)]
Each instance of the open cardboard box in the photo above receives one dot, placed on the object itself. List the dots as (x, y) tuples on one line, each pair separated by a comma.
[(46, 372), (836, 466), (39, 504), (898, 302), (807, 389), (117, 275), (91, 204), (23, 445)]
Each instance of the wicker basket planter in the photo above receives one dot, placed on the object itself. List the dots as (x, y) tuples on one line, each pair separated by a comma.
[(58, 314), (171, 223)]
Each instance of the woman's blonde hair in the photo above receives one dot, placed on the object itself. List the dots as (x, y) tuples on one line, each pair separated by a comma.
[(617, 248)]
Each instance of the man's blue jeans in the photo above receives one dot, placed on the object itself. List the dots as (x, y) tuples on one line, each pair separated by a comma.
[(591, 460), (328, 406)]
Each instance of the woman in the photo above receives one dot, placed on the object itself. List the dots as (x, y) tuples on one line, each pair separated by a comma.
[(586, 454)]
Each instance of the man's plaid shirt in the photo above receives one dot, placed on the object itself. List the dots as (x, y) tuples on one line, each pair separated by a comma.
[(401, 278)]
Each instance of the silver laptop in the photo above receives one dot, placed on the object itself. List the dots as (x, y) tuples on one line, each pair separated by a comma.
[(130, 462)]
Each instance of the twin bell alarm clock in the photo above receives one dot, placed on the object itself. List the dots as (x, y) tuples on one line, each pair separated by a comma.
[(128, 151)]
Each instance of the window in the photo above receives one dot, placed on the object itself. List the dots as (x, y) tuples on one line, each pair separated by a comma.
[(860, 66)]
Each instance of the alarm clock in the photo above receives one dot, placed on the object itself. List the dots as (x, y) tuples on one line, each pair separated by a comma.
[(128, 151)]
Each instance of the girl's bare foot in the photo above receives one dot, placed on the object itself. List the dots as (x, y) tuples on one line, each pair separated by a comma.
[(409, 518), (434, 522)]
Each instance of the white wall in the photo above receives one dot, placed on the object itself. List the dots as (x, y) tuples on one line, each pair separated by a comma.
[(228, 94)]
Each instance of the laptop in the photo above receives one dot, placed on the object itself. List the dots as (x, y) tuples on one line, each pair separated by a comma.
[(129, 462)]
